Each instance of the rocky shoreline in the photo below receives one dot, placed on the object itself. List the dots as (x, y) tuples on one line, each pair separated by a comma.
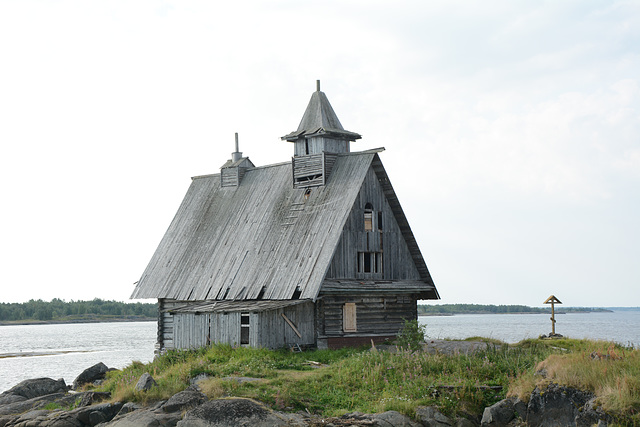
[(44, 402)]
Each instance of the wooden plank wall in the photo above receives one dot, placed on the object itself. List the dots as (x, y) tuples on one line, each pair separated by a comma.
[(374, 315), (230, 177), (397, 261), (319, 144), (267, 328)]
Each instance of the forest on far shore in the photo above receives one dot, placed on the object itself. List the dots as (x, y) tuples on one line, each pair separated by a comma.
[(66, 311), (446, 309)]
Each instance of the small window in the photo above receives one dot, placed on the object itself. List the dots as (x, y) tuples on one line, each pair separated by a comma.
[(369, 262), (368, 217), (244, 328), (349, 317), (380, 221)]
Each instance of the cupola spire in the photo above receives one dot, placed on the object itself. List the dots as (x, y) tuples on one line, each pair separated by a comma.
[(319, 120)]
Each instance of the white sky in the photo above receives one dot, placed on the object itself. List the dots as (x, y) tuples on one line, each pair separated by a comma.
[(512, 131)]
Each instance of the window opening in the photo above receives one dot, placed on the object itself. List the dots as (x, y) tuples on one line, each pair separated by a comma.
[(262, 292), (368, 217), (297, 293), (306, 146), (244, 328), (380, 221), (369, 262)]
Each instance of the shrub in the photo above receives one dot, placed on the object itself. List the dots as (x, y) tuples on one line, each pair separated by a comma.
[(411, 336)]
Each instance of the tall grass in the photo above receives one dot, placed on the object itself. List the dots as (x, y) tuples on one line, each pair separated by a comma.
[(376, 381)]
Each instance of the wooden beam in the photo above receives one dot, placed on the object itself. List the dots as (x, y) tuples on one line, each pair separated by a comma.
[(290, 323)]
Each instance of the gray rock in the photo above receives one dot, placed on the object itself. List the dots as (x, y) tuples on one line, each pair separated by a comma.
[(556, 406), (463, 422), (10, 398), (231, 413), (92, 415), (392, 419), (91, 397), (145, 382), (144, 418), (128, 408), (37, 387), (186, 399), (29, 404), (431, 417), (89, 375), (499, 414), (592, 415)]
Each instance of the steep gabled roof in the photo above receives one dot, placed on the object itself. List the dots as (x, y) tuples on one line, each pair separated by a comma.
[(263, 238), (320, 119)]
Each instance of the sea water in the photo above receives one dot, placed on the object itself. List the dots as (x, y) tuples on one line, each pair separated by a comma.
[(64, 351), (622, 327)]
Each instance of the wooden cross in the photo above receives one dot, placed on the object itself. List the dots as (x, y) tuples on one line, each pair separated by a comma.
[(553, 300)]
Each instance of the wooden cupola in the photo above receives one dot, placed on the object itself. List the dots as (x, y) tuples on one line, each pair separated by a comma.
[(233, 170), (318, 139)]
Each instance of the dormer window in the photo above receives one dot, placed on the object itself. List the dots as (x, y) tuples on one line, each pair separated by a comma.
[(368, 217)]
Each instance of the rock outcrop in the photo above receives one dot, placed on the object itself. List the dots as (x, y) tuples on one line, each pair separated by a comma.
[(554, 405), (44, 402), (90, 375)]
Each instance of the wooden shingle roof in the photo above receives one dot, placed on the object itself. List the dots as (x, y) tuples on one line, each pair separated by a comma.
[(262, 239)]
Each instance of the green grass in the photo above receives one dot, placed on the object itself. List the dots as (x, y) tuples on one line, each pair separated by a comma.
[(376, 381)]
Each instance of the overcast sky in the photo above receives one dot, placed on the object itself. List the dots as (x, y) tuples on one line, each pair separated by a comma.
[(511, 128)]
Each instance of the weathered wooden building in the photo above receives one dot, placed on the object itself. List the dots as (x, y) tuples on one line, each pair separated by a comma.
[(314, 251)]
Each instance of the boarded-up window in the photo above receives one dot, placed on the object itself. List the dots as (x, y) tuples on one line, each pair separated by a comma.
[(244, 328), (349, 317)]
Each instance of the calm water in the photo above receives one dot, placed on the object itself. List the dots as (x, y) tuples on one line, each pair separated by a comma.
[(64, 351), (620, 326)]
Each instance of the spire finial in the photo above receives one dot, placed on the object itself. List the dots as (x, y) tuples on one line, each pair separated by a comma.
[(317, 85)]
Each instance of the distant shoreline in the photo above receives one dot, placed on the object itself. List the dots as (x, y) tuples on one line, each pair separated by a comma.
[(71, 321), (519, 312)]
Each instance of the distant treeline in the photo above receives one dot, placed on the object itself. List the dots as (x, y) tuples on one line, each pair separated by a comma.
[(496, 309), (58, 309)]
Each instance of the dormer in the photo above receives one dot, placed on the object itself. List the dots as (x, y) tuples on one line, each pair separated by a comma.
[(318, 139), (234, 169)]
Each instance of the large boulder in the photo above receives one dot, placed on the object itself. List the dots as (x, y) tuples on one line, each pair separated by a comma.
[(503, 412), (89, 375), (145, 383), (37, 387), (431, 417), (186, 399), (556, 405), (231, 413)]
